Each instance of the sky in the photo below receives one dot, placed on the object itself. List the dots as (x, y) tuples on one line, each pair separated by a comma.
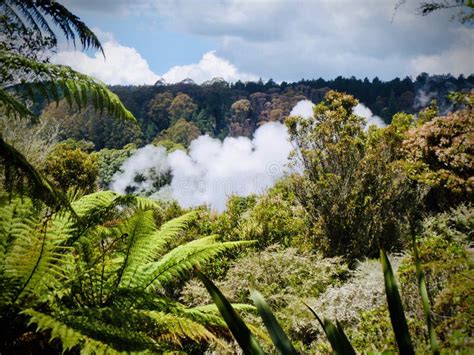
[(148, 40)]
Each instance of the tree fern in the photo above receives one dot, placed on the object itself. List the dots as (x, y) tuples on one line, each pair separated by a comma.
[(91, 279)]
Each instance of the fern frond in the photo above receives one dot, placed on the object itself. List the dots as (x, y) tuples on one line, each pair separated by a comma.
[(182, 260), (39, 14), (69, 337), (17, 170), (138, 228), (52, 79), (173, 329), (149, 244), (13, 107)]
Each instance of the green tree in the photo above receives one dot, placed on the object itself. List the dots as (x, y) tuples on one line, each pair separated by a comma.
[(352, 187), (157, 114), (103, 130), (182, 132), (69, 166)]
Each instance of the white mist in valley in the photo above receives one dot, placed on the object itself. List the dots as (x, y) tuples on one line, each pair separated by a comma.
[(364, 111), (212, 170)]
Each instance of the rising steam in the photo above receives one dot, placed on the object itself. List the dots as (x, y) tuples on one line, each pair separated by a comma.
[(212, 169)]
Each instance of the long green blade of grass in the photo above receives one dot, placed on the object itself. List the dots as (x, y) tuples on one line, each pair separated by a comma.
[(395, 307), (236, 325), (337, 338), (278, 336), (425, 299)]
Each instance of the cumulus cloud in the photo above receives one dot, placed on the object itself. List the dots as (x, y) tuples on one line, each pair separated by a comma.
[(122, 65), (210, 66), (291, 40), (363, 111), (212, 170), (125, 66)]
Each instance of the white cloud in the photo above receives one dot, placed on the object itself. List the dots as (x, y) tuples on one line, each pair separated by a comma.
[(122, 65), (290, 40), (125, 66), (210, 66)]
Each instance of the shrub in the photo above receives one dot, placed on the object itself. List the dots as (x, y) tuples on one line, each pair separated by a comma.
[(351, 186), (440, 154), (285, 277), (69, 166), (447, 264), (276, 217)]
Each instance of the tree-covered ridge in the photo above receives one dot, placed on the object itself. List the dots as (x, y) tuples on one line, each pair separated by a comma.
[(223, 109)]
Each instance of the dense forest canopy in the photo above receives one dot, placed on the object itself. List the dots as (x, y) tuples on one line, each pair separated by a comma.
[(223, 109)]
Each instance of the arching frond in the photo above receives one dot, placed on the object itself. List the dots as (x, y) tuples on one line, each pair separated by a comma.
[(54, 81), (33, 258), (183, 259), (147, 243), (39, 14), (21, 175), (69, 336)]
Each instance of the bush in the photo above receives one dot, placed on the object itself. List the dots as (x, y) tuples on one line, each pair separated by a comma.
[(440, 154), (277, 217), (447, 264), (285, 277), (353, 188), (70, 166)]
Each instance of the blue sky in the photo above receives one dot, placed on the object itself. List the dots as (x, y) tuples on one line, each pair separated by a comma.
[(285, 40)]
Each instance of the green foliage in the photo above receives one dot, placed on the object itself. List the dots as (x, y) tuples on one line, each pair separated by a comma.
[(445, 260), (275, 217), (352, 187), (182, 132), (157, 114), (395, 307), (170, 146), (20, 175), (278, 336), (68, 167), (109, 162), (86, 123), (99, 281), (237, 326)]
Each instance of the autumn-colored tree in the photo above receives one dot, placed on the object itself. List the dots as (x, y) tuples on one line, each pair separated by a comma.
[(157, 114), (240, 121), (440, 153), (182, 106)]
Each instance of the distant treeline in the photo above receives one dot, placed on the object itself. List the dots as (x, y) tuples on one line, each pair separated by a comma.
[(180, 112)]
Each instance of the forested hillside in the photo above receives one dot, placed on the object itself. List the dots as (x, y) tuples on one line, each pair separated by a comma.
[(223, 109)]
